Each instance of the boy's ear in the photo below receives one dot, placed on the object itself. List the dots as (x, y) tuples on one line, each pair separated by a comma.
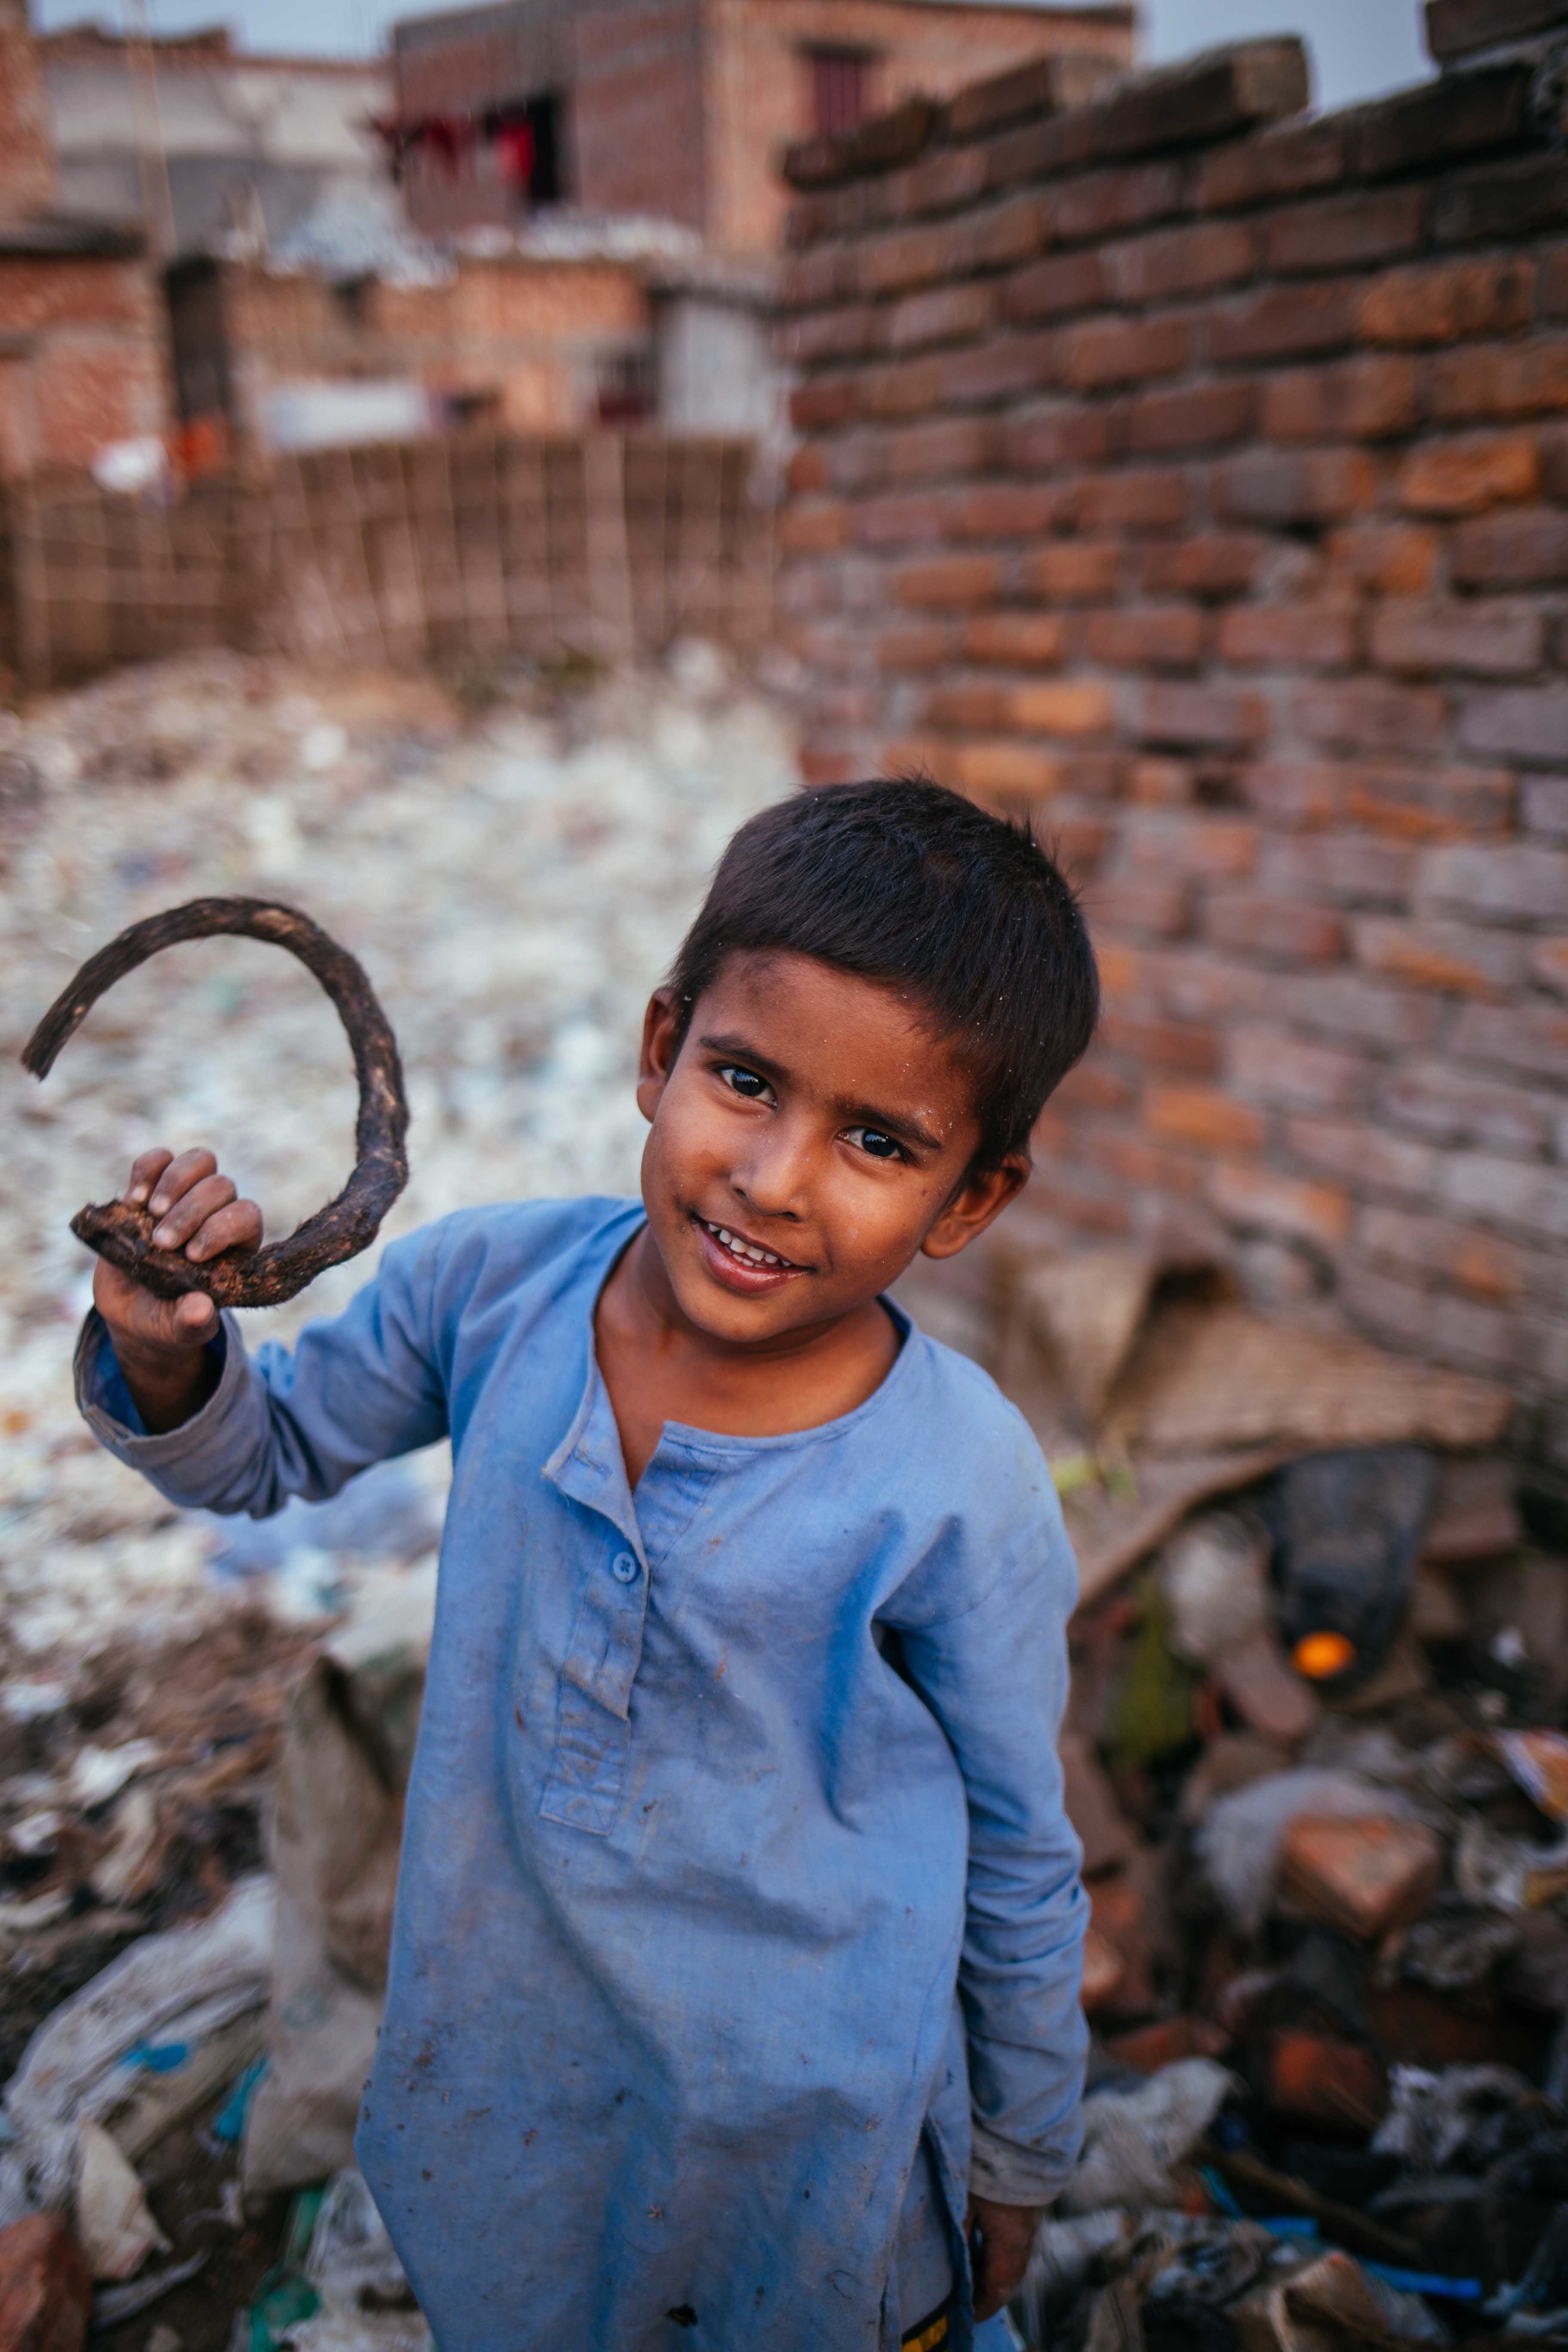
[(980, 1198), (660, 1045)]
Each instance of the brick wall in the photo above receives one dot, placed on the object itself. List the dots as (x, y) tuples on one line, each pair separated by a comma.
[(27, 179), (1194, 473)]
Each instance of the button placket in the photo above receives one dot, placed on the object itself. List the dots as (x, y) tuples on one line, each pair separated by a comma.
[(587, 1771)]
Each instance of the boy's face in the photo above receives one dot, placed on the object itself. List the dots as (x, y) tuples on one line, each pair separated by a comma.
[(812, 1118)]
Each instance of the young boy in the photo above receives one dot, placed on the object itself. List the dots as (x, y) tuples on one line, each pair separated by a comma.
[(734, 1985)]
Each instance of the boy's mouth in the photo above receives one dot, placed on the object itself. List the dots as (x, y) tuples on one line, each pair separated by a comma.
[(740, 1262)]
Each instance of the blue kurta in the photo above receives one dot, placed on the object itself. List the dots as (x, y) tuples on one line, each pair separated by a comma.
[(735, 1856)]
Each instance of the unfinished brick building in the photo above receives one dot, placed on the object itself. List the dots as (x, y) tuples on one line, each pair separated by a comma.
[(1194, 473), (682, 108), (81, 359)]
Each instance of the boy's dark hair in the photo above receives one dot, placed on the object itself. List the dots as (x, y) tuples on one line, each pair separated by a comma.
[(906, 883)]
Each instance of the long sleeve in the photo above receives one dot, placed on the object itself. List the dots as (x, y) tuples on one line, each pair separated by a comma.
[(358, 1389), (995, 1677)]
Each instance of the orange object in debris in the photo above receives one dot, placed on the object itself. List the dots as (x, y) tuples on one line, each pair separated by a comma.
[(1321, 1656), (1325, 2080), (1362, 1874)]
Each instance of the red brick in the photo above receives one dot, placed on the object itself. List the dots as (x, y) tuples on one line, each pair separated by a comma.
[(1167, 636), (1206, 1116), (1503, 203), (1280, 486), (1458, 28), (956, 444), (1453, 478), (1361, 1875), (907, 257), (1003, 510), (1449, 301), (1209, 563), (1061, 706), (1104, 1969), (1528, 549), (920, 646), (1149, 2049), (1155, 910), (1187, 1047), (1368, 399), (1352, 868), (1460, 958), (1323, 2078), (1390, 559), (1357, 1010), (1055, 285), (1075, 572), (1067, 432), (1459, 114), (966, 703), (902, 388), (1248, 1193), (1490, 637), (1191, 416), (45, 2288), (814, 530), (1519, 722), (997, 370), (826, 401), (806, 473), (1284, 323), (1429, 803), (1024, 640), (848, 332), (1279, 930), (952, 580), (1342, 232), (1191, 260), (1007, 232), (1006, 771), (1270, 1065), (1104, 351), (1361, 1155), (947, 314), (1201, 714), (1133, 500), (1212, 846), (1101, 203), (1436, 1249), (1512, 380), (1044, 86), (943, 182), (1288, 636), (1454, 1108), (1285, 161), (1366, 714)]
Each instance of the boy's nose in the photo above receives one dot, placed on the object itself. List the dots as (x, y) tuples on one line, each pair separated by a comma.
[(774, 1178)]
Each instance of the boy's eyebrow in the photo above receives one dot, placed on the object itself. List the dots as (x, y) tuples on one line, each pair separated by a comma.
[(888, 1122)]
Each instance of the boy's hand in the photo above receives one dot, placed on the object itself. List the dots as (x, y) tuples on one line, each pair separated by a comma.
[(1001, 2239), (159, 1342)]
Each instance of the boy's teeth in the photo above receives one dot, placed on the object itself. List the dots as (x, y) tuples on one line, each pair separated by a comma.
[(738, 1248)]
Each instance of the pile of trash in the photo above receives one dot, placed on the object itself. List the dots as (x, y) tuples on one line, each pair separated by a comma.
[(1316, 1755)]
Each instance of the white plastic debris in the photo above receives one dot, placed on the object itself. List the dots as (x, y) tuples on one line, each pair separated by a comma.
[(113, 2221), (163, 2001), (1133, 2138)]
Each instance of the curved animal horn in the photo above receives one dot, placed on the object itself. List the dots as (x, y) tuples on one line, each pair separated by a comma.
[(123, 1233)]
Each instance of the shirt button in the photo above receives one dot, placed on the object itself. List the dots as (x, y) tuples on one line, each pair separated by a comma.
[(624, 1567)]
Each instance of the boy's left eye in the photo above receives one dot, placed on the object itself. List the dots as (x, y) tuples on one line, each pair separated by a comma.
[(873, 1139)]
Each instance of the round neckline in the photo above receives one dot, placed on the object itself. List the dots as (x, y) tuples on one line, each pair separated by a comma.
[(687, 1437)]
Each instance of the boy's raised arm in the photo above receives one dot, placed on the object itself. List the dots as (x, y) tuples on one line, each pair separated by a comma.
[(171, 1390)]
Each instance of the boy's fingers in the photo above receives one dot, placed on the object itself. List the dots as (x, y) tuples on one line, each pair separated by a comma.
[(174, 1228), (145, 1171), (178, 1177), (196, 1317), (238, 1226)]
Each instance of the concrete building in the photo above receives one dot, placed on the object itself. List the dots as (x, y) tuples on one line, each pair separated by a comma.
[(207, 143), (682, 108), (81, 336)]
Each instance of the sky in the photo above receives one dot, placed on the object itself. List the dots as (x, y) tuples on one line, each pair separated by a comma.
[(1360, 48)]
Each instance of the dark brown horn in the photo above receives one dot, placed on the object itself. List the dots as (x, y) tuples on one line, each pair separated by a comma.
[(263, 1278)]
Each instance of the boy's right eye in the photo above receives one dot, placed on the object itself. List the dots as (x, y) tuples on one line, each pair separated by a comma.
[(745, 1082)]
